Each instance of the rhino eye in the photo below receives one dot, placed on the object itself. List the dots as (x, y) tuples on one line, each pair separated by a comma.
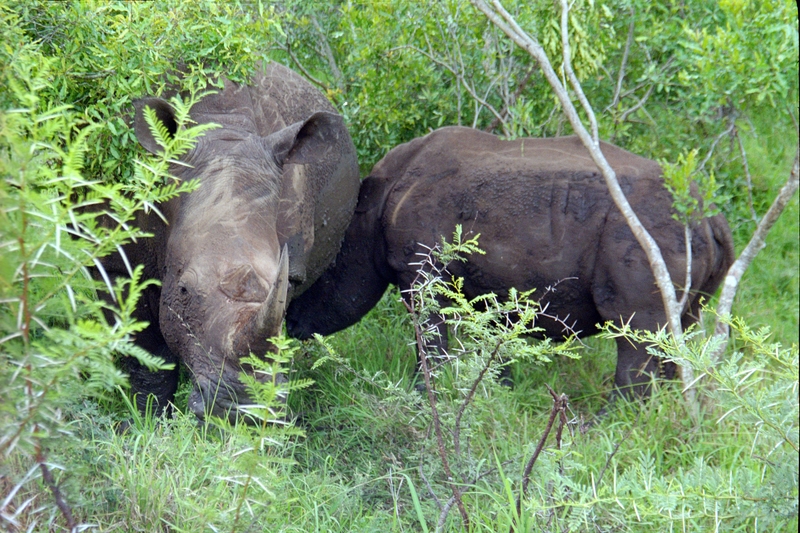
[(183, 290)]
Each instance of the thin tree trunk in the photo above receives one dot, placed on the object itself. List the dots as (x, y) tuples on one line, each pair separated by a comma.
[(497, 14), (756, 244)]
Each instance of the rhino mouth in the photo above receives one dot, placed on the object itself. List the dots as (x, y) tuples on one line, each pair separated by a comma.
[(230, 402), (214, 399)]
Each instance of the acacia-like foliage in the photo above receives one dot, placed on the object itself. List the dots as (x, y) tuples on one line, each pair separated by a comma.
[(58, 340)]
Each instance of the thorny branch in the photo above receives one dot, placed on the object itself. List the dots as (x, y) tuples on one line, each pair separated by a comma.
[(428, 271), (426, 375), (560, 403), (468, 398)]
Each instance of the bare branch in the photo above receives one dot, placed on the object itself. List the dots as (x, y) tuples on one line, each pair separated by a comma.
[(687, 235), (756, 244), (501, 18), (624, 63), (746, 175), (573, 80)]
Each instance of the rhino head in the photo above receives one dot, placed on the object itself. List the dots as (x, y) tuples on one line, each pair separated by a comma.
[(223, 268)]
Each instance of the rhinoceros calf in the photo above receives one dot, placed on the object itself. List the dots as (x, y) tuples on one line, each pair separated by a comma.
[(278, 184), (545, 216)]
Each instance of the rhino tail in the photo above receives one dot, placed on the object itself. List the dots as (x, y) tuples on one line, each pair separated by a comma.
[(724, 256), (724, 239)]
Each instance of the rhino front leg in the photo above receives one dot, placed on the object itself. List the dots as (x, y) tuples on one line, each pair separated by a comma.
[(154, 387)]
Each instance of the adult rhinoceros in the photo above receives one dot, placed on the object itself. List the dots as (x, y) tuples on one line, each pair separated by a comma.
[(545, 217), (278, 182)]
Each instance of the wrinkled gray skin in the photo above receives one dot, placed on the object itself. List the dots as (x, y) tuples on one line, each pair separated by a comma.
[(544, 216), (278, 184)]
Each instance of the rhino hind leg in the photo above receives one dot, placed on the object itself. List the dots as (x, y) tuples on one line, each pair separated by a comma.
[(636, 369)]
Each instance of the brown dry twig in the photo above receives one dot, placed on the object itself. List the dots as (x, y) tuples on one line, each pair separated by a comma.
[(560, 403)]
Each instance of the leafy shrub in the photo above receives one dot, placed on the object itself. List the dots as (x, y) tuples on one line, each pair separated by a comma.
[(58, 340)]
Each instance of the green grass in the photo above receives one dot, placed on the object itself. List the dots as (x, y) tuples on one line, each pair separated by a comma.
[(366, 441)]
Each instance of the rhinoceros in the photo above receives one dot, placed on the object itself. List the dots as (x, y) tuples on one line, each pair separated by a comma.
[(545, 219), (278, 182)]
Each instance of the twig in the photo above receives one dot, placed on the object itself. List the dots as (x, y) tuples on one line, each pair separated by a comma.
[(459, 79), (47, 476), (624, 63), (517, 93), (636, 106), (444, 512), (92, 75), (616, 447), (573, 80), (328, 53), (746, 175), (302, 69), (559, 406), (731, 126)]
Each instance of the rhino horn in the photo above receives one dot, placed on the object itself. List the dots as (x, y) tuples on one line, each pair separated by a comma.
[(270, 316)]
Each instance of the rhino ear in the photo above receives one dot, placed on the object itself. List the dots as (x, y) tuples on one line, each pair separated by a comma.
[(308, 141), (165, 114)]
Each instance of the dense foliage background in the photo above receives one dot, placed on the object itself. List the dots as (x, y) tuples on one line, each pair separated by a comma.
[(664, 78)]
